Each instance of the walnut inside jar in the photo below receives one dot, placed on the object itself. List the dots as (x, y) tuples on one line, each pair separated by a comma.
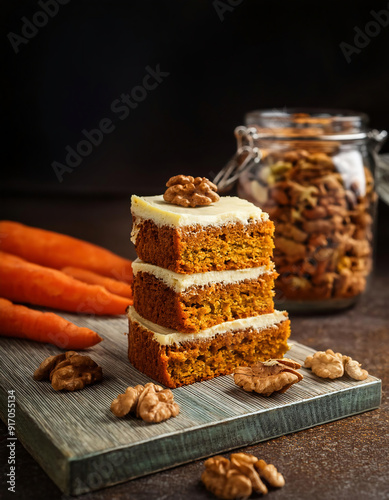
[(323, 221)]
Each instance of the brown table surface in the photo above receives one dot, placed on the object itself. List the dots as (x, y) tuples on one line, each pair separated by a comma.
[(344, 459)]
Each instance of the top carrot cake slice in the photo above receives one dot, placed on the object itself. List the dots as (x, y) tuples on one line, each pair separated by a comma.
[(231, 233)]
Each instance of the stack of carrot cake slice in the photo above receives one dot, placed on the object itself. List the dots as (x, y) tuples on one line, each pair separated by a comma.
[(203, 290)]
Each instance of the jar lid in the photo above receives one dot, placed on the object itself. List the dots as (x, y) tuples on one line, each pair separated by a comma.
[(308, 124)]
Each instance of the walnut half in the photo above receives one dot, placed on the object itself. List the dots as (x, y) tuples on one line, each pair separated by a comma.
[(274, 375), (126, 403), (151, 403), (326, 364), (330, 364), (69, 371), (239, 476), (189, 191), (49, 364)]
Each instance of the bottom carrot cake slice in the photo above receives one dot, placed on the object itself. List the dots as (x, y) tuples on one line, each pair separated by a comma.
[(174, 359)]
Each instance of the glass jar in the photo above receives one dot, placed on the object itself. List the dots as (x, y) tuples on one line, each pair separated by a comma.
[(312, 171)]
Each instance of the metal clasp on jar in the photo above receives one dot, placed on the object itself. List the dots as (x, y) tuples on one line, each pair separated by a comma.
[(247, 155), (376, 140)]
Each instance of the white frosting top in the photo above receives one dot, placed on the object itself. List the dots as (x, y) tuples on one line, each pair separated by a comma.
[(167, 336), (181, 282), (227, 209)]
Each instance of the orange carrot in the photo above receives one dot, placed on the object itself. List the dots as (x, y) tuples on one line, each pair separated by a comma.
[(55, 250), (113, 286), (22, 281), (22, 322)]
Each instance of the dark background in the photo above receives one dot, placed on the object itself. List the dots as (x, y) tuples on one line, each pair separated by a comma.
[(262, 55)]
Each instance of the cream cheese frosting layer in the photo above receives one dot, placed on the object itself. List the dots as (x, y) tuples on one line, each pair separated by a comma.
[(227, 209), (182, 282), (167, 336)]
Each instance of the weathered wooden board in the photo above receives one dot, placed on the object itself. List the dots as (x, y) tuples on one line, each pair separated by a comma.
[(83, 447)]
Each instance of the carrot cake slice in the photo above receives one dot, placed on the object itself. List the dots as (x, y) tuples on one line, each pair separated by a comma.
[(174, 359), (229, 234), (192, 302)]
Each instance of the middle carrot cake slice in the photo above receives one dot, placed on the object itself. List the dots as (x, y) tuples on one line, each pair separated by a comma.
[(189, 303)]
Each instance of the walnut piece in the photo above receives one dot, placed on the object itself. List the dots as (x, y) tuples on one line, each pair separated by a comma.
[(328, 364), (75, 373), (156, 404), (69, 371), (270, 474), (151, 403), (244, 463), (239, 476), (293, 251), (127, 402), (48, 365), (224, 481), (189, 191), (354, 370), (274, 375)]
